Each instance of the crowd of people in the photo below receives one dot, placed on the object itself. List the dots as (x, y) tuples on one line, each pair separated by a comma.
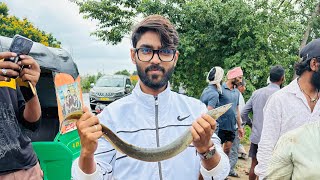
[(282, 145), (282, 119)]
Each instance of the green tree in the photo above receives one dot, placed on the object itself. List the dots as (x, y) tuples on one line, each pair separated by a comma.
[(253, 34), (88, 79), (3, 9), (11, 25), (123, 72), (100, 74), (86, 82)]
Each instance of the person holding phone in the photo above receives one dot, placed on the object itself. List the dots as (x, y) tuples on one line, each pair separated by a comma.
[(17, 158)]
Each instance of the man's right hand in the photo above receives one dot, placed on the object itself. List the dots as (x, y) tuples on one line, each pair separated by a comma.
[(89, 130), (7, 68)]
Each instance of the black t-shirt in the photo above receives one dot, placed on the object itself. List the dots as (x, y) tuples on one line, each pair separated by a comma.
[(16, 151)]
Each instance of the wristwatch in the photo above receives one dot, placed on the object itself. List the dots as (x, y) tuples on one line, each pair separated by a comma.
[(209, 154)]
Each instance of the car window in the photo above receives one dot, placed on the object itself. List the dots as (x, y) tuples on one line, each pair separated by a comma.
[(128, 81), (110, 82)]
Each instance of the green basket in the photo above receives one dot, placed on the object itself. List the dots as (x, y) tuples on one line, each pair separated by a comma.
[(56, 157)]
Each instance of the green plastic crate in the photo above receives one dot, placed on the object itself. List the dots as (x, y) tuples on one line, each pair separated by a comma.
[(56, 157)]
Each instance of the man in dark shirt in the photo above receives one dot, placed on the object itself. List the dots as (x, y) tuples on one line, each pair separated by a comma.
[(210, 95), (17, 158), (227, 122), (236, 142)]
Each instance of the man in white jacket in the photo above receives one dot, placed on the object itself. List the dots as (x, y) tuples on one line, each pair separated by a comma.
[(152, 116)]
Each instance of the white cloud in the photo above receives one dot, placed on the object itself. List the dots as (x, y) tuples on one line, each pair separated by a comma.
[(62, 19)]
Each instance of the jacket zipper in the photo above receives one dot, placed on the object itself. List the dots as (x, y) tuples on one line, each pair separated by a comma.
[(157, 132)]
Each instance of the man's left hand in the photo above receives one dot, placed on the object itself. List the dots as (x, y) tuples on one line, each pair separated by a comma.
[(241, 132), (202, 130), (31, 70)]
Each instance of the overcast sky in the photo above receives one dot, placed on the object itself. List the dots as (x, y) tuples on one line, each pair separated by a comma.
[(62, 19)]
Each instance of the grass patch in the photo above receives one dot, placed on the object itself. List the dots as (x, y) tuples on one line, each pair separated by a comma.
[(246, 140)]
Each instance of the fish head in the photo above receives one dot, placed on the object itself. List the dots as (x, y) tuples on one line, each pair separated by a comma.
[(219, 111)]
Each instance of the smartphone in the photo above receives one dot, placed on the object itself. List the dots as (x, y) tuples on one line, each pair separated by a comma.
[(21, 46)]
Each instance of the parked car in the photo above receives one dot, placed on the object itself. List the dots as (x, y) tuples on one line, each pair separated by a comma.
[(108, 89)]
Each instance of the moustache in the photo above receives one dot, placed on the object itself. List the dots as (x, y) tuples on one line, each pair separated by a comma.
[(155, 67)]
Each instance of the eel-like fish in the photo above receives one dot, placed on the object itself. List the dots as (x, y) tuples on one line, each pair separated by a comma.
[(152, 154)]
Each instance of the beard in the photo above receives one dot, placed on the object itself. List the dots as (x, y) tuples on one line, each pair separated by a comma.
[(315, 79), (151, 81), (235, 82)]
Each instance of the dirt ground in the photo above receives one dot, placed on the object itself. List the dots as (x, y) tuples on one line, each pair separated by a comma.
[(242, 167)]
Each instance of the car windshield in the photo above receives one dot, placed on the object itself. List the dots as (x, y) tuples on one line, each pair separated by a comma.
[(110, 82)]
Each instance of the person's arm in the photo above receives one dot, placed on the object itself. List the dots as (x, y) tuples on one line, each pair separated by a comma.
[(202, 131), (102, 161), (239, 122), (245, 113), (97, 155), (281, 166), (32, 124), (270, 134), (222, 168), (210, 107), (213, 100), (32, 111)]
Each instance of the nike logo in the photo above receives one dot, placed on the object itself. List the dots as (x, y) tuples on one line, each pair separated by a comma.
[(181, 119)]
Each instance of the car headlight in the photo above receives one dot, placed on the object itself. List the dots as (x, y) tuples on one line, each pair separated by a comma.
[(92, 92)]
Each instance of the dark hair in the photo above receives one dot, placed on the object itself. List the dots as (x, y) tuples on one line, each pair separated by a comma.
[(302, 66), (212, 74), (168, 34), (276, 73)]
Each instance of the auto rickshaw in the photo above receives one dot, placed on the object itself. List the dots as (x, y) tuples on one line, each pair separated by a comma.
[(55, 142)]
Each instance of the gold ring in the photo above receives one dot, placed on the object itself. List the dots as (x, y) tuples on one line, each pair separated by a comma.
[(1, 59), (96, 127)]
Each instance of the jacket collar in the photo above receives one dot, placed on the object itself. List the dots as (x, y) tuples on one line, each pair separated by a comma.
[(149, 100)]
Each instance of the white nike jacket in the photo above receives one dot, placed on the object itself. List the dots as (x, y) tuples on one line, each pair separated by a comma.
[(147, 121)]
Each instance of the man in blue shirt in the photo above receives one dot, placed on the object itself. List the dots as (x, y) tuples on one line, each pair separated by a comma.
[(236, 142), (210, 95), (228, 121)]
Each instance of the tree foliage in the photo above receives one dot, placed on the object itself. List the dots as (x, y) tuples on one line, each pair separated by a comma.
[(88, 79), (11, 25), (253, 34), (3, 9), (123, 72), (86, 82)]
